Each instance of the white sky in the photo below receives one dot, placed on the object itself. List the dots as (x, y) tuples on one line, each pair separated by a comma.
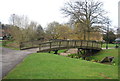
[(46, 11)]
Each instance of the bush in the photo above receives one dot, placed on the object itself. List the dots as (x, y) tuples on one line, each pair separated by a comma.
[(75, 56), (4, 43), (87, 58)]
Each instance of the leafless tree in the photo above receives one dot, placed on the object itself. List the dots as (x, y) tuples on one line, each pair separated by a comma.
[(19, 20), (22, 29), (86, 12), (65, 31)]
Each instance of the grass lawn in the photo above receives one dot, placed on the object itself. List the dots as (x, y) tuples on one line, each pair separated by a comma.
[(109, 45), (10, 44), (11, 48), (51, 66), (104, 53), (0, 44)]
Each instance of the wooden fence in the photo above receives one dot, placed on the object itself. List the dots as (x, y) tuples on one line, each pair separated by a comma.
[(30, 44)]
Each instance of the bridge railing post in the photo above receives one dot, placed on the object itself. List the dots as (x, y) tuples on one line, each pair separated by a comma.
[(97, 44), (87, 43), (39, 47), (67, 45), (20, 45), (59, 44), (101, 44), (92, 44), (50, 45), (75, 44), (31, 43), (81, 43)]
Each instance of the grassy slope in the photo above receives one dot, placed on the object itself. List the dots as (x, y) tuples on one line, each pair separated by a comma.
[(105, 53), (50, 66)]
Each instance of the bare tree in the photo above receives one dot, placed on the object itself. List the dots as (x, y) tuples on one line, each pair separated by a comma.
[(16, 33), (22, 29), (86, 12), (19, 20), (30, 31), (65, 32)]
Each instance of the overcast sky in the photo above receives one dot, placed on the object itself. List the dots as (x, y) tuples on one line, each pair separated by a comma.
[(46, 11)]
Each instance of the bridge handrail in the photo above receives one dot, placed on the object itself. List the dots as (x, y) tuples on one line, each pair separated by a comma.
[(70, 43)]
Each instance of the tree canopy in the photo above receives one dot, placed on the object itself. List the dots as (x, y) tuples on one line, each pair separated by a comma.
[(87, 13)]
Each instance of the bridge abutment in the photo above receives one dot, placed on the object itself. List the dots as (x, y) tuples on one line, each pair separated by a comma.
[(83, 53)]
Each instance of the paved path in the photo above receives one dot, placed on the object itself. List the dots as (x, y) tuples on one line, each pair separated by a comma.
[(10, 58)]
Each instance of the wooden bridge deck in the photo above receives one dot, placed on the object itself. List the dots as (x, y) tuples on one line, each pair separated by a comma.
[(66, 44)]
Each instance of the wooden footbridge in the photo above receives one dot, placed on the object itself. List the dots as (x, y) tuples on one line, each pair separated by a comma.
[(67, 44)]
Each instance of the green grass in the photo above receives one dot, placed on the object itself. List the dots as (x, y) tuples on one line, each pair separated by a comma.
[(5, 44), (51, 66), (0, 44), (109, 45), (104, 53), (11, 48)]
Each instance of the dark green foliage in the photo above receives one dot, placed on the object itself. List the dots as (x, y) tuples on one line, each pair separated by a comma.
[(111, 37), (40, 33), (75, 56)]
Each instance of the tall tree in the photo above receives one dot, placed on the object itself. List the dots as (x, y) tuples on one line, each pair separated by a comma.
[(86, 12), (52, 30), (19, 20), (64, 31), (30, 31), (40, 32), (111, 37), (16, 34), (22, 29)]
